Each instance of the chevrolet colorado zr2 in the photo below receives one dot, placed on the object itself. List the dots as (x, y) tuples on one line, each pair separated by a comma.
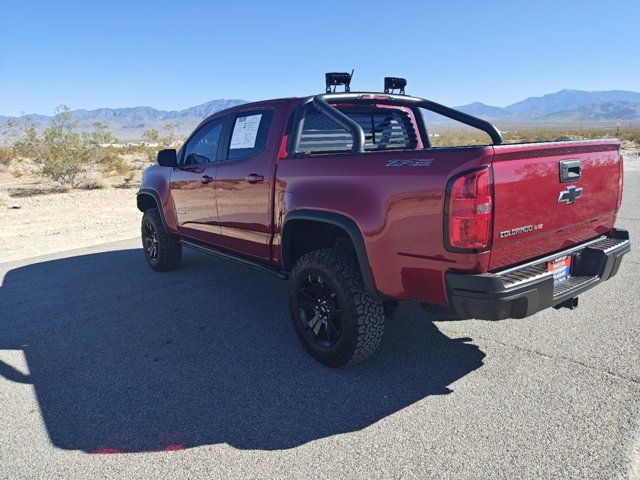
[(344, 195)]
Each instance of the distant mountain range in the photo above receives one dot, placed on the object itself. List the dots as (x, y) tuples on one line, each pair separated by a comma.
[(564, 106), (130, 123), (560, 107)]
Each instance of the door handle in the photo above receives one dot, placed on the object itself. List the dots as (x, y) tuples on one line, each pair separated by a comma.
[(254, 178), (206, 179)]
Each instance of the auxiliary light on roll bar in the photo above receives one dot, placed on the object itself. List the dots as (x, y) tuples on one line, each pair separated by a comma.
[(333, 79), (394, 83)]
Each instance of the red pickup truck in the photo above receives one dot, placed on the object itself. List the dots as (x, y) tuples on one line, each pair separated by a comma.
[(344, 195)]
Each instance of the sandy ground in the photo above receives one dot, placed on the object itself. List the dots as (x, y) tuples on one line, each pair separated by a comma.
[(49, 221), (55, 222), (63, 221)]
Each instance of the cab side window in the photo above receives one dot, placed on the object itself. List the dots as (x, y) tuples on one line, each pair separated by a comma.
[(202, 147), (250, 133)]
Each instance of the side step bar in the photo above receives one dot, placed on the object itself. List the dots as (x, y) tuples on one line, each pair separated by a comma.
[(234, 258)]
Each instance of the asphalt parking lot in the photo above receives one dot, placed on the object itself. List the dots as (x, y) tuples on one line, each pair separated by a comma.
[(108, 369)]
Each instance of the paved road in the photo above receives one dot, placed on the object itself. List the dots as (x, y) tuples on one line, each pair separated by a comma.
[(110, 370)]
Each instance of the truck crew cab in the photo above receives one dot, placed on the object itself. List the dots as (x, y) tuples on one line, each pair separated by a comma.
[(344, 195)]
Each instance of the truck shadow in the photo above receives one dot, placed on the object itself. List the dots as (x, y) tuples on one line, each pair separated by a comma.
[(123, 359)]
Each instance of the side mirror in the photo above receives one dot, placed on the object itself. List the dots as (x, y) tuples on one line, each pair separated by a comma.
[(168, 158)]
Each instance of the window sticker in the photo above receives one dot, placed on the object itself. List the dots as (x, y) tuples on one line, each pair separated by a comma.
[(245, 131)]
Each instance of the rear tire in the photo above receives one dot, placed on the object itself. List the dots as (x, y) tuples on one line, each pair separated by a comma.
[(161, 248), (334, 316)]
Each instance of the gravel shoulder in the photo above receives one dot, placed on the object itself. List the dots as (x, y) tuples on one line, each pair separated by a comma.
[(63, 221)]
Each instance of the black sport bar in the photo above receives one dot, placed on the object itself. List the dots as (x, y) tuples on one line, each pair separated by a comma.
[(322, 104)]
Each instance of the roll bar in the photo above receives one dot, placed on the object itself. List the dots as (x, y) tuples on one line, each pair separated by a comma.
[(323, 102)]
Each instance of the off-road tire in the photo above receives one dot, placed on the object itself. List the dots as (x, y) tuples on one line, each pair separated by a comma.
[(362, 316), (169, 250)]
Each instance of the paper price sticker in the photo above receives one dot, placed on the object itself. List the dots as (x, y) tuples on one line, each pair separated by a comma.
[(245, 131)]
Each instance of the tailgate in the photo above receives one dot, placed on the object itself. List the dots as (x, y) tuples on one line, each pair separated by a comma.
[(538, 209)]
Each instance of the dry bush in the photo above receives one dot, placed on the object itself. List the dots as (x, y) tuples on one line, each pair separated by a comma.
[(94, 184), (459, 138), (60, 151), (549, 134), (631, 136), (22, 191), (130, 181), (65, 155), (112, 162), (464, 137), (6, 156)]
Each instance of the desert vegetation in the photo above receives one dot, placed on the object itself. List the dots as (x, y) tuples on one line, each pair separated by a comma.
[(62, 157), (448, 136)]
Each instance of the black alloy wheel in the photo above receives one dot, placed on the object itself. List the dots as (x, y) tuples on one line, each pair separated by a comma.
[(336, 319), (150, 240), (319, 310), (162, 250)]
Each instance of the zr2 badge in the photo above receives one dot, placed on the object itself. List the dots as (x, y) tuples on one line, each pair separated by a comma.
[(410, 162)]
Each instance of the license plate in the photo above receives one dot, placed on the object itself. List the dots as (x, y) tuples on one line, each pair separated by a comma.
[(561, 268)]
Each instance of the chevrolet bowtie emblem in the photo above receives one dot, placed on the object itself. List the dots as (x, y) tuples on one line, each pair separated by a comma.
[(570, 195)]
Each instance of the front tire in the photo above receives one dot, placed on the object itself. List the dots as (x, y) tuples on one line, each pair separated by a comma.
[(161, 248), (334, 316)]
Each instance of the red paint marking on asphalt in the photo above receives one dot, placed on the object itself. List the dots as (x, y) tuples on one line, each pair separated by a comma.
[(105, 451)]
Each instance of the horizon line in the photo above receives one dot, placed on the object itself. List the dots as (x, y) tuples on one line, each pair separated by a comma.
[(25, 114)]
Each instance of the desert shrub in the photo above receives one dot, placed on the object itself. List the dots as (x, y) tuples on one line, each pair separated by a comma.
[(532, 135), (152, 155), (631, 135), (6, 156), (458, 137), (547, 134), (107, 158), (169, 139), (447, 137), (93, 185), (151, 136), (129, 181), (111, 161), (9, 133), (61, 152), (64, 154)]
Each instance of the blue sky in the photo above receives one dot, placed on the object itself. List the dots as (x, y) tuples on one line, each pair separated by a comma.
[(172, 55)]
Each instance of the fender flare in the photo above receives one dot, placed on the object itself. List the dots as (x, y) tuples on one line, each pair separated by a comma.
[(338, 220), (156, 198)]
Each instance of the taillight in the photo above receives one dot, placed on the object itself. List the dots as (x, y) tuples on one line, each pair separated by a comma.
[(620, 183), (469, 212)]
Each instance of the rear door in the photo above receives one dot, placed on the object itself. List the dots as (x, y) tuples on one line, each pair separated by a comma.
[(552, 196), (244, 180), (193, 183)]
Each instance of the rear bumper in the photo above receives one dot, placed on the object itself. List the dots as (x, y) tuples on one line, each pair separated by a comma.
[(524, 290)]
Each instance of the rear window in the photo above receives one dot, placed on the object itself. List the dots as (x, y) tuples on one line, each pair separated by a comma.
[(384, 129)]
